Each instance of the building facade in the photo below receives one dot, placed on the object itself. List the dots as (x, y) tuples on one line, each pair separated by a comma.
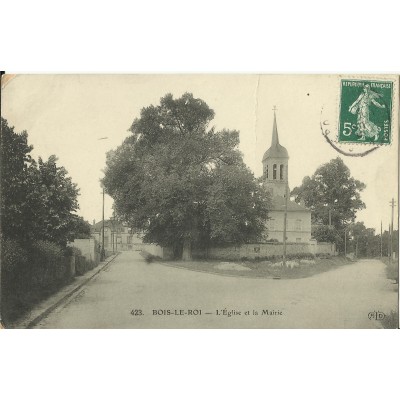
[(276, 181), (117, 236)]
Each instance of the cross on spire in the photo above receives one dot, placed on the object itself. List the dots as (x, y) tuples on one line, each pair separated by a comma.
[(274, 109)]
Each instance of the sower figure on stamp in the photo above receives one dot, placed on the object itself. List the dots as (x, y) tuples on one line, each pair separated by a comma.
[(365, 127)]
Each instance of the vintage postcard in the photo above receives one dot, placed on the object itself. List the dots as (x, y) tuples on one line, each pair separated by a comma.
[(199, 201)]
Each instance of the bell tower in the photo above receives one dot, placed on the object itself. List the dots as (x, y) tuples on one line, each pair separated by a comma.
[(275, 165)]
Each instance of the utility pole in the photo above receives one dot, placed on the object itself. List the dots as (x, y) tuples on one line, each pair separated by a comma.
[(284, 226), (330, 217), (357, 248), (392, 203), (103, 253), (116, 234)]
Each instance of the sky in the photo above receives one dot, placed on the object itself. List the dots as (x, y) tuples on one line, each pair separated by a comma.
[(81, 117)]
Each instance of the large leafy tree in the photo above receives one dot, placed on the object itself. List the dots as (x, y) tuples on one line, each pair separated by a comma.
[(53, 199), (331, 193), (182, 183), (362, 240), (38, 198), (79, 228), (15, 184)]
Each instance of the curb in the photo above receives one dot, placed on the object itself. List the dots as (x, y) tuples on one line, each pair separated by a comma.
[(30, 323)]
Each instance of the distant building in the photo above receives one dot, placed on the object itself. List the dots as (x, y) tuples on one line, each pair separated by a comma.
[(276, 181), (117, 236)]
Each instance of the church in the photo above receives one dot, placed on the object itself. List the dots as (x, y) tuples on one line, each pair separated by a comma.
[(276, 181)]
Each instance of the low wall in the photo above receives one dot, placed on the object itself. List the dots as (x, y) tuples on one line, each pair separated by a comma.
[(156, 250), (87, 248), (251, 251)]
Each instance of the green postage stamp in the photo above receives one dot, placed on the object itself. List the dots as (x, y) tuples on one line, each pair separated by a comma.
[(365, 111)]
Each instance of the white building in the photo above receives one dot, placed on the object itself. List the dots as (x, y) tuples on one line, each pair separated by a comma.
[(117, 236)]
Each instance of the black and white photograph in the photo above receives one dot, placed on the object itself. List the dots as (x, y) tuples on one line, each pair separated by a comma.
[(199, 201)]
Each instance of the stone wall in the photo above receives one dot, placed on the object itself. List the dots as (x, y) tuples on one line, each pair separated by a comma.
[(165, 253), (251, 251), (86, 246)]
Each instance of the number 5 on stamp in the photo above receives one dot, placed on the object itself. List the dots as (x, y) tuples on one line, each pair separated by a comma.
[(365, 111)]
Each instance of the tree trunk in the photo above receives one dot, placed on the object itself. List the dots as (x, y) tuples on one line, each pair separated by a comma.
[(187, 250)]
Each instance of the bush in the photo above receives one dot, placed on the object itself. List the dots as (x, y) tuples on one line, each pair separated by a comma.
[(149, 257), (13, 256), (323, 255), (30, 273), (48, 263), (82, 265), (300, 256)]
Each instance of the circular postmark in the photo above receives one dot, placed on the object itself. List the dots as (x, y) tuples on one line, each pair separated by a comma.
[(329, 132)]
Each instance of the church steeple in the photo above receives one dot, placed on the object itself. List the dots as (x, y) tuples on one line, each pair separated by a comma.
[(275, 164), (275, 137)]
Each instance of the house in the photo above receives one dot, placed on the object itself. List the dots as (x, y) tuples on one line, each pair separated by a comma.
[(117, 236)]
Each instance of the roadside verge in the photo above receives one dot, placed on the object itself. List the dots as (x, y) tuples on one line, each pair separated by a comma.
[(44, 308)]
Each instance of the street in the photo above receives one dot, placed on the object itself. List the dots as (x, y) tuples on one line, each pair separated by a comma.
[(129, 293)]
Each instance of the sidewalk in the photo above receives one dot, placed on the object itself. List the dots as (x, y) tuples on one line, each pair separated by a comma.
[(44, 308)]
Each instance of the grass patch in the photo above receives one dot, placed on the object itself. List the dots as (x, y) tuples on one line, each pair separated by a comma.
[(264, 269), (392, 269), (391, 321)]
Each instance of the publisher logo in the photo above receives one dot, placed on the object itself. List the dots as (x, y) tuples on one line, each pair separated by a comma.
[(376, 315)]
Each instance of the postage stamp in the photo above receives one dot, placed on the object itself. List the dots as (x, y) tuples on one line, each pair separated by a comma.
[(365, 111)]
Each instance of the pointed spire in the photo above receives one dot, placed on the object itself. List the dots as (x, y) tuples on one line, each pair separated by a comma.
[(276, 150), (275, 137)]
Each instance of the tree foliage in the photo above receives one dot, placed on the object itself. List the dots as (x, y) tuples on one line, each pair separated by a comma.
[(364, 243), (331, 190), (180, 181), (38, 198), (15, 162)]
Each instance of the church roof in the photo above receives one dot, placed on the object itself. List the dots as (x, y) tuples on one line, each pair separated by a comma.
[(278, 204), (276, 150)]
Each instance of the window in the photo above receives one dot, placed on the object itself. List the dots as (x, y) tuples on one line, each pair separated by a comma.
[(298, 225), (266, 172), (281, 169), (274, 171)]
